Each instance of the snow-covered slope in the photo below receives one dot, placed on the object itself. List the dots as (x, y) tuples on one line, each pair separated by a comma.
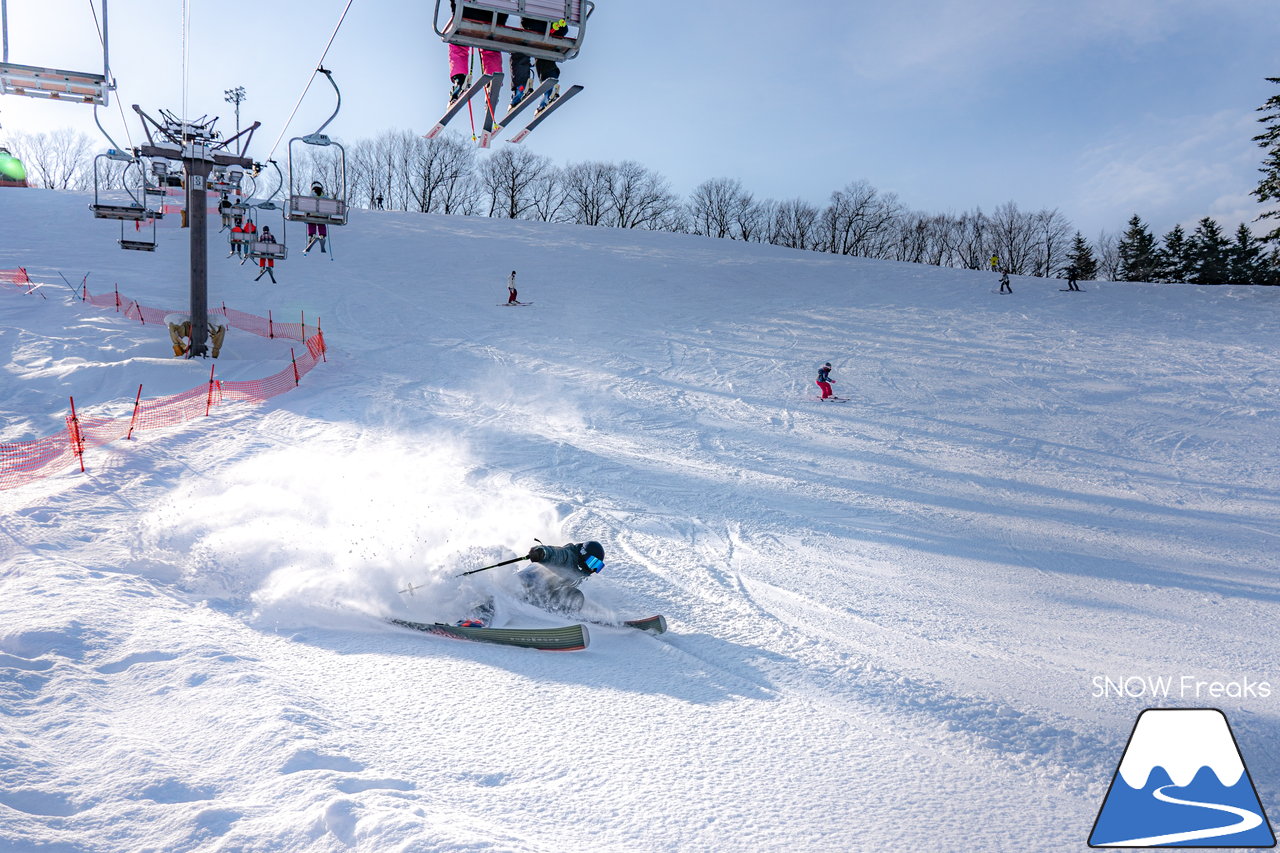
[(888, 617)]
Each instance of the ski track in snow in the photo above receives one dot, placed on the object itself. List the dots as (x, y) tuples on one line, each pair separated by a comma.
[(885, 616)]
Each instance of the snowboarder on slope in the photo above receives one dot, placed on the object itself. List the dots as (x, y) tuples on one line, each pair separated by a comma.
[(552, 581), (824, 381), (511, 290), (1005, 287)]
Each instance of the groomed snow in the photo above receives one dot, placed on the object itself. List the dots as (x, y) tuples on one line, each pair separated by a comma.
[(888, 616)]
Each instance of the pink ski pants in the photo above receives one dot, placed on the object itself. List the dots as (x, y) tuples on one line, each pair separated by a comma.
[(490, 60)]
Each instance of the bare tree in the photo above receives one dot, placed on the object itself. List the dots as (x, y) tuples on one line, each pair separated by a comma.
[(588, 187), (717, 207), (509, 180), (1109, 260), (443, 174), (639, 197), (547, 194), (59, 159), (859, 220), (1013, 238), (1053, 242), (795, 224)]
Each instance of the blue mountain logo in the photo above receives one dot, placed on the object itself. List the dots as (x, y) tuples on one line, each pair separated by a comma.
[(1182, 783)]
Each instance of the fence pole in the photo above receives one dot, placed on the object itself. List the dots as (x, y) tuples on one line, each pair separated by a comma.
[(320, 335), (117, 297), (297, 379), (209, 401), (134, 420), (77, 440), (271, 326)]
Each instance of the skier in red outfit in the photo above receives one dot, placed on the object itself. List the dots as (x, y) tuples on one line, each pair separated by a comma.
[(824, 381)]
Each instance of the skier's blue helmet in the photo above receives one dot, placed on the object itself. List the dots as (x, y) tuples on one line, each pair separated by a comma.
[(591, 556)]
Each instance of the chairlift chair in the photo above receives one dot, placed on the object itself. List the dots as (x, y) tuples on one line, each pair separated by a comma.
[(138, 244), (32, 81), (320, 210), (487, 24), (225, 180), (135, 212), (259, 249)]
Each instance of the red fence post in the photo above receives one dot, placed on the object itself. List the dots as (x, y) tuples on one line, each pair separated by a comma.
[(209, 401), (77, 440), (271, 326), (117, 297), (297, 379), (134, 420)]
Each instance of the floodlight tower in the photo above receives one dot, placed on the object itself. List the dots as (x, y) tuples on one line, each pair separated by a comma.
[(237, 97), (197, 146)]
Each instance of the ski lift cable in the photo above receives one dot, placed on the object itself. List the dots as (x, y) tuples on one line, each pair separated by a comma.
[(310, 79), (119, 105), (186, 54)]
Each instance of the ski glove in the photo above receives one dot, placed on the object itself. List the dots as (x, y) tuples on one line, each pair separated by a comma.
[(537, 554)]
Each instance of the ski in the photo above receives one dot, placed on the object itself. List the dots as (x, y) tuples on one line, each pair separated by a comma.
[(528, 100), (456, 107), (544, 112), (651, 625), (831, 399), (512, 304), (490, 100), (570, 638)]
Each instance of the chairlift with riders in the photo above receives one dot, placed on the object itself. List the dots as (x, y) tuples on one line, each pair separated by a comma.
[(315, 208), (549, 29)]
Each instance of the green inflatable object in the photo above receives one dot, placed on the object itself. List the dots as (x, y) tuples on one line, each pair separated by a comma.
[(11, 167)]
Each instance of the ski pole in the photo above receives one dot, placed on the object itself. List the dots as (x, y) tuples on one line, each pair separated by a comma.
[(411, 587), (494, 566)]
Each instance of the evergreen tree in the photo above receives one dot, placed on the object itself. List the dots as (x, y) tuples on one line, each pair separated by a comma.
[(1248, 263), (1269, 140), (1082, 260), (1209, 253), (1174, 262), (1139, 259)]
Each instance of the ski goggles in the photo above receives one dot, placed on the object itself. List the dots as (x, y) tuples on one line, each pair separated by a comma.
[(595, 564)]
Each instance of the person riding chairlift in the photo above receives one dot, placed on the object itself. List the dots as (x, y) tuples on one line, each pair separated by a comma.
[(316, 231)]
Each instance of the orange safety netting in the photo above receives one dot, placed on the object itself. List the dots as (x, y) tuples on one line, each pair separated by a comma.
[(24, 461)]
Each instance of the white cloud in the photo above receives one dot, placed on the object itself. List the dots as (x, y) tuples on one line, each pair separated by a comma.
[(1158, 167)]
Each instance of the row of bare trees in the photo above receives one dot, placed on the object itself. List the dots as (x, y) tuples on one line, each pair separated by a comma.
[(400, 170), (444, 175)]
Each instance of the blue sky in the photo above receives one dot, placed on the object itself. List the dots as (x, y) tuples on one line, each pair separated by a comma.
[(1100, 108)]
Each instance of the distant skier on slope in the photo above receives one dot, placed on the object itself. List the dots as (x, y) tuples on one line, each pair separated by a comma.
[(1005, 286), (824, 381), (511, 290), (552, 581)]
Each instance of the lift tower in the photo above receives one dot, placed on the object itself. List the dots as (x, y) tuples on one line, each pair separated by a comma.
[(199, 148)]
